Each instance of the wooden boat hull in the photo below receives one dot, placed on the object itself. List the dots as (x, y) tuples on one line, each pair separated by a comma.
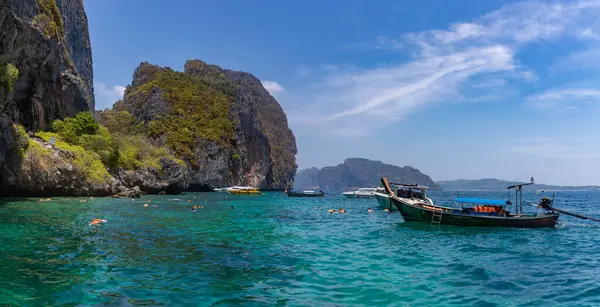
[(412, 213), (294, 194), (355, 195), (384, 201)]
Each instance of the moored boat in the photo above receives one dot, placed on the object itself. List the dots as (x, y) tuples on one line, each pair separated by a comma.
[(237, 190), (385, 202), (305, 193), (485, 212), (361, 193)]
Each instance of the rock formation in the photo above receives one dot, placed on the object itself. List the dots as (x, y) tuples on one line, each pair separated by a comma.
[(208, 126), (45, 75), (48, 42), (357, 173), (223, 123)]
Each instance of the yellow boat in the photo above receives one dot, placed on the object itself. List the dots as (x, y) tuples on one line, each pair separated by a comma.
[(244, 191)]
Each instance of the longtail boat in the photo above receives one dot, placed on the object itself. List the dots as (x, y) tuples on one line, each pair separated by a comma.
[(402, 189), (485, 212)]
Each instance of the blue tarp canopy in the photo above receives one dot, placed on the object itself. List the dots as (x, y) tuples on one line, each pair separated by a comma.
[(483, 201)]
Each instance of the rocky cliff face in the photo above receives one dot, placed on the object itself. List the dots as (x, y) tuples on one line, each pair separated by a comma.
[(223, 123), (45, 75), (359, 173), (47, 43)]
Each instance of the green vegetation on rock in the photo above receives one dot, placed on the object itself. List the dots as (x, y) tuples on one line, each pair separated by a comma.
[(21, 139), (96, 148), (134, 150), (86, 161), (198, 109), (49, 19), (8, 75)]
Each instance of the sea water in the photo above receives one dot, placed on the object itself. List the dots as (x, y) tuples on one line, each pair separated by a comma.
[(272, 250)]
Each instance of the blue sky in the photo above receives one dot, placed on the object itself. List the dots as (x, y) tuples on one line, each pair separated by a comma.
[(457, 89)]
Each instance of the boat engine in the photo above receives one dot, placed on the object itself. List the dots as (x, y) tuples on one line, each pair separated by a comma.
[(546, 203)]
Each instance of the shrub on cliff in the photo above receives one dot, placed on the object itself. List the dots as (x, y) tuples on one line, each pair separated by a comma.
[(134, 150), (82, 130), (198, 109), (8, 75), (49, 19), (120, 122)]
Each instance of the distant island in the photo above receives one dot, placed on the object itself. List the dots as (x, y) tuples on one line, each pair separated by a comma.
[(493, 184), (357, 173)]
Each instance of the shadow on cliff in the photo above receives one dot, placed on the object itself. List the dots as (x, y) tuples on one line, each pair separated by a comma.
[(11, 161)]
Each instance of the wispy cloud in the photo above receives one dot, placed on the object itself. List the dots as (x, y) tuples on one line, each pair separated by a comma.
[(273, 87), (552, 148), (564, 98), (107, 95), (302, 71), (441, 63)]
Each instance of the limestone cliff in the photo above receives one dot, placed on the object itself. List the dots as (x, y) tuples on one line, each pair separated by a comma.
[(359, 173), (223, 123), (48, 42), (45, 70), (46, 75)]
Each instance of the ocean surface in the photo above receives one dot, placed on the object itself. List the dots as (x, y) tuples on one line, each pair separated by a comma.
[(273, 250)]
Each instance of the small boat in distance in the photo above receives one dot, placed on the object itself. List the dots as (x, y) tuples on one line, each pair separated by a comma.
[(361, 193), (305, 193), (238, 190), (220, 190), (484, 213)]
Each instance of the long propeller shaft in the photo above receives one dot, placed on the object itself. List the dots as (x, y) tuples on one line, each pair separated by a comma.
[(548, 207), (574, 214)]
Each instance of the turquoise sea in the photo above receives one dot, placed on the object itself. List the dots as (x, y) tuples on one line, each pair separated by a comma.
[(276, 251)]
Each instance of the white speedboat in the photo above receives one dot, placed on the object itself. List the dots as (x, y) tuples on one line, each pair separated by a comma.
[(361, 193)]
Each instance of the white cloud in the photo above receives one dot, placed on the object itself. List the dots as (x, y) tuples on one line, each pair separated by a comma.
[(441, 62), (119, 90), (273, 87), (564, 99), (553, 148), (107, 96), (518, 23)]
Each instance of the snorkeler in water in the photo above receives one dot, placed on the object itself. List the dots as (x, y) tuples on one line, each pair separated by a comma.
[(97, 221)]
